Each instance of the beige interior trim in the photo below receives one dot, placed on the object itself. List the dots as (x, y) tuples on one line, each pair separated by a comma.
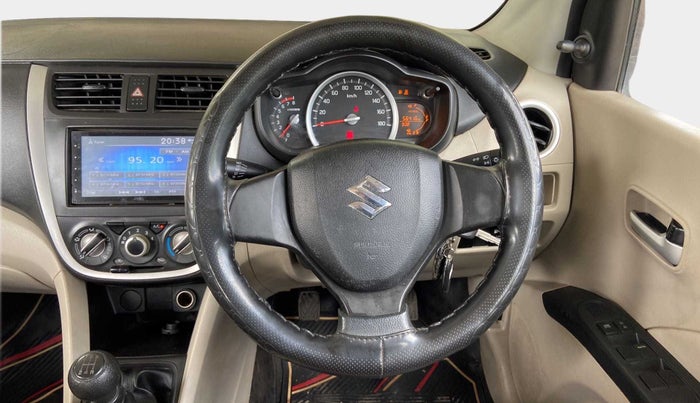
[(630, 156), (220, 359), (529, 357), (622, 145), (75, 323), (623, 149), (13, 280), (530, 30), (28, 262)]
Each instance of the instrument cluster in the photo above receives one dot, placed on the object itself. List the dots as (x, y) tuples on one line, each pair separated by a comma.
[(355, 96)]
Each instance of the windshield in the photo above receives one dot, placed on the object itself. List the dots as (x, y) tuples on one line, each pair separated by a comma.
[(440, 13)]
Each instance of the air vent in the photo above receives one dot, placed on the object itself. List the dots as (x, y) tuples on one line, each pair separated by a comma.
[(187, 93), (482, 53), (87, 91), (544, 126)]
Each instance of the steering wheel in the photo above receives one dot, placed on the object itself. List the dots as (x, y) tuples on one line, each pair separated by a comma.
[(412, 202)]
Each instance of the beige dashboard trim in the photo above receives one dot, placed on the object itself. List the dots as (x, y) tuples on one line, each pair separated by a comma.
[(75, 324), (220, 359), (27, 260), (36, 90)]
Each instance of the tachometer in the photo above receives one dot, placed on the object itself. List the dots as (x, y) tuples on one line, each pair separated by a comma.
[(351, 105), (287, 126)]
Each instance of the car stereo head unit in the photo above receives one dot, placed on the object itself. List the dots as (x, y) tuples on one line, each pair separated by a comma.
[(129, 166)]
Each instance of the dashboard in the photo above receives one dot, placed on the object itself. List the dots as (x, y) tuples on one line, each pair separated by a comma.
[(117, 187), (96, 135), (100, 137)]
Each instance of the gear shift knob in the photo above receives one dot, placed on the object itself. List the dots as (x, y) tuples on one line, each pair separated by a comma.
[(96, 377)]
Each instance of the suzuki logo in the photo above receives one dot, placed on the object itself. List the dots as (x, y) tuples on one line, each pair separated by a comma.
[(371, 203)]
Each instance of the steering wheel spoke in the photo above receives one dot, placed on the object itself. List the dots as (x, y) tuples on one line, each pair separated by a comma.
[(373, 314), (257, 210), (374, 326), (474, 197)]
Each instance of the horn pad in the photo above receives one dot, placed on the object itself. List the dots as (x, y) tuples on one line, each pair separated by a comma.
[(366, 212)]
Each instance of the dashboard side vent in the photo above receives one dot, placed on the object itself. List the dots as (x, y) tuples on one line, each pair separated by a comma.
[(543, 125), (87, 91), (482, 53), (187, 92)]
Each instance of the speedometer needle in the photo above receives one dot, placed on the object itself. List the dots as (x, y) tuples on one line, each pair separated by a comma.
[(351, 119)]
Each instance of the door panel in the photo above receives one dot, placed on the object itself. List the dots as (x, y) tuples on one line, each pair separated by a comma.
[(629, 155)]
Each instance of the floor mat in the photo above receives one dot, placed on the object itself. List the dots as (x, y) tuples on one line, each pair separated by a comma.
[(31, 366), (458, 378), (444, 381)]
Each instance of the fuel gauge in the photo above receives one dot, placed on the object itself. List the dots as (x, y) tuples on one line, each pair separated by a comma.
[(287, 125), (414, 119)]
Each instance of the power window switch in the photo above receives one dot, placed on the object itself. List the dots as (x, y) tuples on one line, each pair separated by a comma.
[(608, 328), (636, 352), (670, 377), (629, 353), (645, 351), (653, 381), (623, 326)]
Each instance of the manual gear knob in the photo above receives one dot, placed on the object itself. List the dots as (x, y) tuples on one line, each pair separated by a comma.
[(96, 377)]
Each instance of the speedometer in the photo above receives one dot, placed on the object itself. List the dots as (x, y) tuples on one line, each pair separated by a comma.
[(351, 105)]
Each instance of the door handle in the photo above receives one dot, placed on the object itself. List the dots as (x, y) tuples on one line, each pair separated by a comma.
[(666, 241)]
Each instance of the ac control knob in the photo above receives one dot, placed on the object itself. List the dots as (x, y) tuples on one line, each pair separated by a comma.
[(92, 246), (138, 244), (179, 245)]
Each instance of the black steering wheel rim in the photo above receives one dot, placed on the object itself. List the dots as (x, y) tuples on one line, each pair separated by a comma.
[(207, 201)]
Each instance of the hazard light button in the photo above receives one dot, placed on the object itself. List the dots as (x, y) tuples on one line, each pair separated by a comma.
[(137, 95)]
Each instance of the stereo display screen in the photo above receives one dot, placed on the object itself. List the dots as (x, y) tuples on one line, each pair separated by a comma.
[(130, 168)]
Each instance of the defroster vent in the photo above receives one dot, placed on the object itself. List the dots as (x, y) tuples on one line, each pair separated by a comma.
[(187, 92), (87, 91)]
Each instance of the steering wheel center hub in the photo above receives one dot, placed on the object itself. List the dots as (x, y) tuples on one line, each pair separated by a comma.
[(366, 212)]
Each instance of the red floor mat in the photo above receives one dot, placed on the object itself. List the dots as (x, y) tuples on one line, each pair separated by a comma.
[(31, 366)]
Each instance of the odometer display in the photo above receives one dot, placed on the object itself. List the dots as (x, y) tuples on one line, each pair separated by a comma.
[(351, 105)]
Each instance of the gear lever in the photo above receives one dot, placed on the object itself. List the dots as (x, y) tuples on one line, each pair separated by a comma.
[(96, 377)]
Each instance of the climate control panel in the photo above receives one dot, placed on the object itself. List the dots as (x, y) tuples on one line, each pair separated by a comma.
[(130, 246)]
